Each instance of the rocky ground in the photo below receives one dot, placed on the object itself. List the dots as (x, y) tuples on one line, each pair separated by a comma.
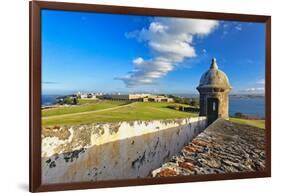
[(223, 147)]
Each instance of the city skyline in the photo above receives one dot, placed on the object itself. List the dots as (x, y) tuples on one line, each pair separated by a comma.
[(124, 53)]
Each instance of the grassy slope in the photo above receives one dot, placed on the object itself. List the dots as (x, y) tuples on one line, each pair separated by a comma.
[(255, 123), (134, 111), (85, 105)]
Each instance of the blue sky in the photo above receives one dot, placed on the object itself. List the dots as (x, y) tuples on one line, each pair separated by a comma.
[(123, 53)]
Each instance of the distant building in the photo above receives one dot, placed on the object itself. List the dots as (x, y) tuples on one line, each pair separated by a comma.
[(86, 95), (139, 97), (91, 96), (214, 88), (157, 98)]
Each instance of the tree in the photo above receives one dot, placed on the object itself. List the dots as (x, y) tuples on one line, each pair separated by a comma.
[(170, 96), (177, 100), (186, 101), (67, 100), (75, 101), (194, 103)]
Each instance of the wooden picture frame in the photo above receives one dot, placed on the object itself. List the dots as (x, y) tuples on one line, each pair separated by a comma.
[(35, 93)]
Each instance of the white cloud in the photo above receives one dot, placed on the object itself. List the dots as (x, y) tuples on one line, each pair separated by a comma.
[(258, 88), (224, 34), (170, 40), (204, 51), (260, 81), (238, 27), (254, 90), (138, 61), (156, 27)]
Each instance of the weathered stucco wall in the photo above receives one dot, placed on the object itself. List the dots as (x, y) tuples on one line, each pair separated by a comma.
[(108, 151), (223, 103)]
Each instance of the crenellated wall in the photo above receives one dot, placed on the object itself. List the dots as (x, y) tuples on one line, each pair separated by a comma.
[(109, 151)]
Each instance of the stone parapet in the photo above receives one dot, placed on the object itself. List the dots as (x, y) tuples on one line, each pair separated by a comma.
[(111, 151), (224, 147)]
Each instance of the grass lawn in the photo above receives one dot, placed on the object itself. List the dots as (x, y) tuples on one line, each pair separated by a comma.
[(85, 105), (255, 123), (129, 112)]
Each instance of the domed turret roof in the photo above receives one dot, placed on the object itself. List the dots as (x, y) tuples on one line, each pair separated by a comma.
[(214, 78)]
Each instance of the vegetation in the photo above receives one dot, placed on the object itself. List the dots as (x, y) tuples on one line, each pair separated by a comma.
[(111, 111), (252, 122), (245, 116), (187, 101), (186, 108), (178, 107), (68, 100)]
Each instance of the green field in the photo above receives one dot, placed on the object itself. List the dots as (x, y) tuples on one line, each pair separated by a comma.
[(255, 123), (85, 106), (110, 111)]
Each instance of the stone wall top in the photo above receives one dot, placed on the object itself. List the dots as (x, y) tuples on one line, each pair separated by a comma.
[(223, 147)]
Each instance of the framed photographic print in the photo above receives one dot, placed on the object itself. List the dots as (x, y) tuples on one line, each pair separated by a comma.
[(123, 96)]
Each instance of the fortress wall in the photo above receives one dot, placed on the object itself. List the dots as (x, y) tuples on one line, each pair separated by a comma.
[(107, 151)]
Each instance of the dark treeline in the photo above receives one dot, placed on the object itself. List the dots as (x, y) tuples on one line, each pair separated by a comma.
[(185, 100)]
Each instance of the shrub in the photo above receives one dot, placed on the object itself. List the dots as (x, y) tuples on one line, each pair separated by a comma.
[(175, 107), (194, 103), (239, 115), (68, 100)]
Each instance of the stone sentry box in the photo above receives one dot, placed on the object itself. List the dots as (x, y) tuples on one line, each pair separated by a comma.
[(111, 151), (214, 89)]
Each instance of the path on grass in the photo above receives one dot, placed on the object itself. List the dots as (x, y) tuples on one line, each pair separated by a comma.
[(88, 112)]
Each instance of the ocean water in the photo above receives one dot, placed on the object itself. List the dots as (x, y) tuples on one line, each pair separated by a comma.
[(250, 106), (48, 99)]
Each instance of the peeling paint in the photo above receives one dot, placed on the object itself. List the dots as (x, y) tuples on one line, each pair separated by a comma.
[(106, 151)]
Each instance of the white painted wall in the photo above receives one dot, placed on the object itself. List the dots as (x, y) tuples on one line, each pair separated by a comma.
[(14, 84), (126, 150)]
